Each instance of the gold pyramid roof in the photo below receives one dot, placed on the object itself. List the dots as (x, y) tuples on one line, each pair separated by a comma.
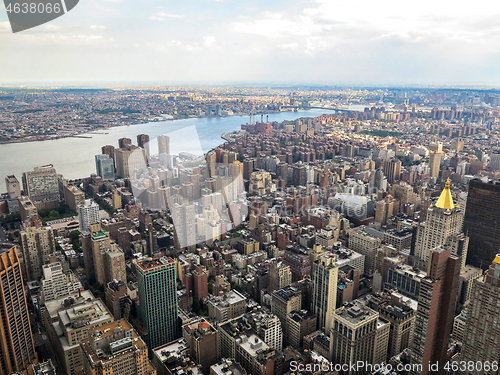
[(445, 201)]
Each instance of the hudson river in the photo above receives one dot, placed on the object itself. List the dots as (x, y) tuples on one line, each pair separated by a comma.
[(74, 157)]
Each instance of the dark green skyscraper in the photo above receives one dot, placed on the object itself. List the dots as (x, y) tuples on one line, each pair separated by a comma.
[(158, 309)]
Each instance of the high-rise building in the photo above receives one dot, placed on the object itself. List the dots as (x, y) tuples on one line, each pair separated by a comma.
[(110, 151), (203, 341), (481, 222), (37, 244), (88, 214), (129, 158), (184, 225), (200, 283), (400, 313), (324, 300), (13, 187), (73, 323), (163, 144), (143, 142), (157, 291), (354, 335), (115, 348), (56, 283), (443, 223), (124, 142), (16, 340), (435, 163), (481, 338), (435, 312), (41, 184), (105, 167), (280, 275), (392, 169), (104, 261)]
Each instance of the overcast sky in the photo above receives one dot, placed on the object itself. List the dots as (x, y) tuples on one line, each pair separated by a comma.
[(436, 42)]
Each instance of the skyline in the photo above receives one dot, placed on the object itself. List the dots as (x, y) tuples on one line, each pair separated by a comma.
[(319, 42)]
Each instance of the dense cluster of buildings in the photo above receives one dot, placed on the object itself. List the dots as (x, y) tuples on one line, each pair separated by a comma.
[(299, 247)]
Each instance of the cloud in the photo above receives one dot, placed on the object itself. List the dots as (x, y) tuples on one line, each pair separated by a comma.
[(208, 41), (162, 16), (96, 27)]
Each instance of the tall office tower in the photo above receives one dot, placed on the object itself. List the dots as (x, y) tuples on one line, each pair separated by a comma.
[(482, 221), (115, 348), (299, 175), (124, 142), (283, 302), (200, 283), (41, 184), (392, 169), (436, 147), (482, 330), (13, 187), (95, 245), (378, 181), (143, 142), (401, 315), (16, 340), (114, 264), (37, 245), (128, 159), (384, 210), (88, 214), (184, 225), (324, 277), (110, 151), (435, 163), (157, 291), (436, 307), (105, 167), (163, 144), (279, 275), (353, 335), (442, 225), (203, 341)]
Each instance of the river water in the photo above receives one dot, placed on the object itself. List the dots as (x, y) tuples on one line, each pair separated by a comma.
[(74, 157)]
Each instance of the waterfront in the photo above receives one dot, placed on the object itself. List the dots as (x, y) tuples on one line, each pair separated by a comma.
[(74, 157)]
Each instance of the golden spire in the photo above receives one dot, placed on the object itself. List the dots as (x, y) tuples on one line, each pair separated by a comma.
[(445, 201)]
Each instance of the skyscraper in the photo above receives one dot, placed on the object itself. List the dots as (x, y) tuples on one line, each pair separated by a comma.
[(157, 290), (88, 214), (482, 329), (16, 340), (324, 277), (482, 221), (143, 141), (392, 169), (435, 163), (37, 244), (353, 335), (442, 226), (129, 158), (184, 225), (163, 144), (435, 312), (105, 167)]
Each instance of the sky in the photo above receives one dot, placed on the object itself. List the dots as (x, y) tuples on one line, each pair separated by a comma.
[(333, 42)]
